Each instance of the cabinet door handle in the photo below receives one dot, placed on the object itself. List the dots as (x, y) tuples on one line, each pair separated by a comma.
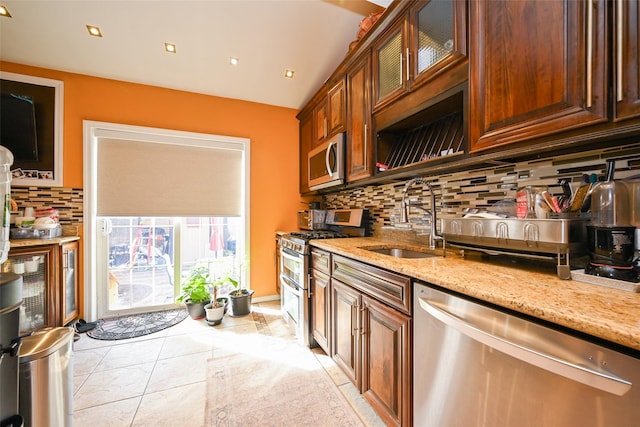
[(619, 41), (407, 62), (590, 6), (365, 145)]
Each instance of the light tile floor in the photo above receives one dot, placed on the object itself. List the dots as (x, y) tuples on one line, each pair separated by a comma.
[(151, 380)]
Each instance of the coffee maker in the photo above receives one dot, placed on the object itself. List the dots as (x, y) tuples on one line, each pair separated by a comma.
[(610, 232)]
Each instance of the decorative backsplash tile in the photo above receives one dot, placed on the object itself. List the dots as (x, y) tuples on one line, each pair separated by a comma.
[(68, 201), (481, 188)]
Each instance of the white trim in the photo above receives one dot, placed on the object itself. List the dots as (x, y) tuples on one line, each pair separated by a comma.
[(58, 131), (92, 130)]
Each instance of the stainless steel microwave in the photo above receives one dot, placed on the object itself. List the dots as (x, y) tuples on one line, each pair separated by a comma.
[(327, 163)]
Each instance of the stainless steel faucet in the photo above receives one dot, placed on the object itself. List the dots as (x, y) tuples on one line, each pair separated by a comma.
[(406, 206)]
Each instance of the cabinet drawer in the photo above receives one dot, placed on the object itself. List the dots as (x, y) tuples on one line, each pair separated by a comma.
[(389, 288), (321, 260)]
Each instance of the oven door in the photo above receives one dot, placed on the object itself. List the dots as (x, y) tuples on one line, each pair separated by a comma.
[(294, 298)]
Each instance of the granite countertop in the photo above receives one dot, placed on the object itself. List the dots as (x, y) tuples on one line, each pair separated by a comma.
[(525, 286)]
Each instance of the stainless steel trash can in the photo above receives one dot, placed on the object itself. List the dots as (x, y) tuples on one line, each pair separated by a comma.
[(46, 378), (10, 301)]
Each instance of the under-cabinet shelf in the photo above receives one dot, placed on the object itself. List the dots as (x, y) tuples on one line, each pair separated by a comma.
[(437, 140)]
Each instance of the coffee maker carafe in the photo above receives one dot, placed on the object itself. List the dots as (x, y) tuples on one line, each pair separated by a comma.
[(610, 233)]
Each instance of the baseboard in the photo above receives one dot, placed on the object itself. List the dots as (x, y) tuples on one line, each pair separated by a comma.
[(265, 298)]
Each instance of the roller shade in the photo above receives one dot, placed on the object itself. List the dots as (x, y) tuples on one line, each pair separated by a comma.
[(148, 178)]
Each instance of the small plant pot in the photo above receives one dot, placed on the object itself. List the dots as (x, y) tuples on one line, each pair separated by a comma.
[(241, 304), (196, 309), (214, 315)]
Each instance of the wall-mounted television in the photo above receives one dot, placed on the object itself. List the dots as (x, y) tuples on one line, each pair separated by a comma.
[(18, 126), (31, 128)]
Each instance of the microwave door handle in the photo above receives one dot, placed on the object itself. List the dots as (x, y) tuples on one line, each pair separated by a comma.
[(328, 158)]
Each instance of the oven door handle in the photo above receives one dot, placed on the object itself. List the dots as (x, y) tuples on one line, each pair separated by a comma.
[(292, 255), (291, 285)]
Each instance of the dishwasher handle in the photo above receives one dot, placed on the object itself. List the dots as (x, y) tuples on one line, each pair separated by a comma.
[(603, 381)]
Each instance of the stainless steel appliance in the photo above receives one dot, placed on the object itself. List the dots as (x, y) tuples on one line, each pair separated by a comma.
[(611, 232), (476, 365), (327, 163), (533, 238), (295, 268), (10, 302), (312, 219)]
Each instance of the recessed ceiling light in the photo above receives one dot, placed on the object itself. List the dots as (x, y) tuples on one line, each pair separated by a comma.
[(288, 74), (4, 11), (94, 31), (170, 47), (233, 60)]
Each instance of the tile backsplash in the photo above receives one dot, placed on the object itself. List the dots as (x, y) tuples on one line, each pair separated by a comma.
[(68, 201), (481, 188)]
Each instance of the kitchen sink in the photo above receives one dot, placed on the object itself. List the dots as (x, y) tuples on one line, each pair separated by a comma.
[(401, 252)]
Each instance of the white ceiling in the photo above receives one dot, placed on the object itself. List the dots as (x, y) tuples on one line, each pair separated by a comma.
[(268, 36)]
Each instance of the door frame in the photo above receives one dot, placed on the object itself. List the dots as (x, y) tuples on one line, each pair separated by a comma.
[(90, 158)]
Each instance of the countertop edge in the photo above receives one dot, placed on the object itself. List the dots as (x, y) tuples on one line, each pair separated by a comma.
[(609, 314), (23, 243)]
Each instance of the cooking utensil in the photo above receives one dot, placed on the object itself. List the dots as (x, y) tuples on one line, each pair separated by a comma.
[(579, 197)]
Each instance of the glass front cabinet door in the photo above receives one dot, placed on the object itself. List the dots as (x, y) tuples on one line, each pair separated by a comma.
[(35, 265), (429, 39), (69, 282)]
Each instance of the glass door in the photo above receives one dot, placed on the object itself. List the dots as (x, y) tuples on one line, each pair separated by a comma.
[(142, 259)]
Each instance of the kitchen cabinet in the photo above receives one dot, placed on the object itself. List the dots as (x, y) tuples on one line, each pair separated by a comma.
[(386, 362), (69, 309), (330, 114), (277, 262), (345, 323), (50, 277), (426, 41), (359, 141), (626, 42), (370, 335), (559, 84), (306, 140), (320, 298), (36, 265)]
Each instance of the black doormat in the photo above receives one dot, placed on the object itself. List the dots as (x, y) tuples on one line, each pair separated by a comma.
[(118, 328)]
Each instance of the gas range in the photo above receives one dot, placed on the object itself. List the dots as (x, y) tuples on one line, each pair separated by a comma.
[(299, 240), (295, 265), (338, 223)]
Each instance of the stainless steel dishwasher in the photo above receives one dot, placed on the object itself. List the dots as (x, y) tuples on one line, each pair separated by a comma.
[(479, 366)]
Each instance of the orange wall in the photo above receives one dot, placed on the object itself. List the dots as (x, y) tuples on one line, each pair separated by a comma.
[(273, 132)]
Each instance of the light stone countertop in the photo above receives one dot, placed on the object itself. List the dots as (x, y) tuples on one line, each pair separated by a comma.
[(22, 243), (525, 286)]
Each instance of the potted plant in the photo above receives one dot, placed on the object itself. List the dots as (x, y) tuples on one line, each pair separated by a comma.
[(218, 306), (196, 292), (240, 298)]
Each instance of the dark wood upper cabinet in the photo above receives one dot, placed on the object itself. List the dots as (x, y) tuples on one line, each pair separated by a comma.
[(306, 142), (626, 62), (330, 114), (536, 68), (359, 143), (390, 69), (423, 43)]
